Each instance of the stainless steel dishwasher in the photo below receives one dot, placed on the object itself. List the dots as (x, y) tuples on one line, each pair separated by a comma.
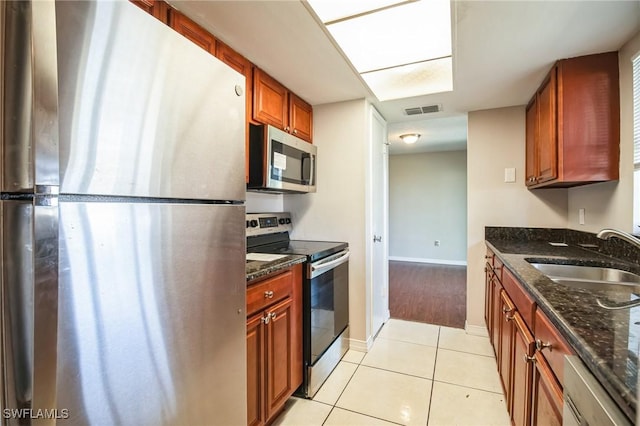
[(586, 402)]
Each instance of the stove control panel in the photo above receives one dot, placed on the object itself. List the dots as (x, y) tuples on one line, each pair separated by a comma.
[(268, 223)]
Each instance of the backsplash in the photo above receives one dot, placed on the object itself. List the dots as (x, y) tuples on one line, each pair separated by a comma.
[(613, 247)]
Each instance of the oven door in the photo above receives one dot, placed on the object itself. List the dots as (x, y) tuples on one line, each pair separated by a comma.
[(328, 303)]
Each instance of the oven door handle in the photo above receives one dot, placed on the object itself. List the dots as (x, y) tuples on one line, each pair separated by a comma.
[(317, 266)]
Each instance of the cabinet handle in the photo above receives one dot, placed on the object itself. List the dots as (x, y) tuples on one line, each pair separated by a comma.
[(508, 318), (528, 358), (268, 294), (266, 319), (506, 310), (273, 315), (540, 346), (486, 256)]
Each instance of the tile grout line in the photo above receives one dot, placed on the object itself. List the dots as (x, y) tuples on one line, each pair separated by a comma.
[(433, 376)]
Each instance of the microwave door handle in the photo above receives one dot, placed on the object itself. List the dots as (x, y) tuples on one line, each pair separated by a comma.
[(312, 169)]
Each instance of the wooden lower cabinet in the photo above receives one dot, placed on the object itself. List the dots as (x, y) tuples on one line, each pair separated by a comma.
[(256, 412), (547, 398), (274, 344), (521, 372), (530, 368)]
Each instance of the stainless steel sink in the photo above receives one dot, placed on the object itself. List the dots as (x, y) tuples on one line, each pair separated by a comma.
[(622, 288), (594, 274)]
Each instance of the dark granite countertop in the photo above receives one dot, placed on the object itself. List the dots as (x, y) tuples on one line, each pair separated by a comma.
[(606, 341), (256, 269)]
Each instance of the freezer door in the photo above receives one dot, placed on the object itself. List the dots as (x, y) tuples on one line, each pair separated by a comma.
[(152, 314), (29, 308), (142, 110)]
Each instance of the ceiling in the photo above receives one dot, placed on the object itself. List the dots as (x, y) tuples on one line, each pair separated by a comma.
[(501, 52)]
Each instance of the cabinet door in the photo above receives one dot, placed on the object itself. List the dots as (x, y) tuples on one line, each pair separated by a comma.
[(192, 31), (496, 317), (300, 114), (488, 299), (547, 155), (255, 370), (506, 344), (521, 373), (531, 172), (279, 355), (158, 8), (546, 400), (269, 100)]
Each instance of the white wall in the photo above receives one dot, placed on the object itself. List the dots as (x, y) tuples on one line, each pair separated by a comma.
[(336, 212), (428, 202), (495, 141), (610, 204), (259, 202)]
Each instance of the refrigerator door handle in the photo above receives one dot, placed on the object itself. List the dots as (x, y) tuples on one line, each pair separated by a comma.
[(30, 305)]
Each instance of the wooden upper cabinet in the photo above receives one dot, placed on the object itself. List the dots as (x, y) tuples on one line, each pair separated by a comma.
[(269, 100), (573, 124), (547, 146), (531, 171), (157, 8), (194, 32), (300, 116), (273, 104)]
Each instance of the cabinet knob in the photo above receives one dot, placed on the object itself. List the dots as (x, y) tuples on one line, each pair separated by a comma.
[(268, 294), (528, 358), (540, 346), (506, 310), (295, 131), (508, 318), (265, 319), (273, 315), (287, 128)]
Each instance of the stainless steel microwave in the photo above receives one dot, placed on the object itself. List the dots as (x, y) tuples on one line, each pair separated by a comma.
[(280, 162)]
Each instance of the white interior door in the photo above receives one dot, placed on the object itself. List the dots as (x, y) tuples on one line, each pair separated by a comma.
[(379, 225)]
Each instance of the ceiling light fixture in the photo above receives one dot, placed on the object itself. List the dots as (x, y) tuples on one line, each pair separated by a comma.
[(410, 138)]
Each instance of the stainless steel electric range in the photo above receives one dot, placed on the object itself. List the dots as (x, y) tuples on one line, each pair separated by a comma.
[(325, 313)]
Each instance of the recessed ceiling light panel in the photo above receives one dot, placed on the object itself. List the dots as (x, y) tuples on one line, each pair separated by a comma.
[(331, 10), (411, 80), (399, 35)]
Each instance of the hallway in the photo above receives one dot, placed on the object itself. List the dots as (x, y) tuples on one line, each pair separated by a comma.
[(429, 293)]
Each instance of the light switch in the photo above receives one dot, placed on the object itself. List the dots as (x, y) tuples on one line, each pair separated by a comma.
[(510, 175)]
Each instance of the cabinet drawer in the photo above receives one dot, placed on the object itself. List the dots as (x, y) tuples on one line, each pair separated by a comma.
[(524, 304), (546, 334), (267, 292)]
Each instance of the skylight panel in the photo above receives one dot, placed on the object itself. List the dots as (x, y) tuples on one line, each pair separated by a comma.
[(397, 36), (411, 80), (401, 49)]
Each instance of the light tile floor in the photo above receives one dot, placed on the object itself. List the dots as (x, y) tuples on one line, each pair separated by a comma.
[(414, 374)]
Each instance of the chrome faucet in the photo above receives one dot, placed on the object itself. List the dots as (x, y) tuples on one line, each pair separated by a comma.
[(605, 234)]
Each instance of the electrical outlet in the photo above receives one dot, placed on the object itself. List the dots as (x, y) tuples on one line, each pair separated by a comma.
[(436, 243)]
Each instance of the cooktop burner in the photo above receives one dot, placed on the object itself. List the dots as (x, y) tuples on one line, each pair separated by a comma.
[(314, 250)]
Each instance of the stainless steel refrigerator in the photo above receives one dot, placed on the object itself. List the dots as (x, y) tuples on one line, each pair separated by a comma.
[(123, 246)]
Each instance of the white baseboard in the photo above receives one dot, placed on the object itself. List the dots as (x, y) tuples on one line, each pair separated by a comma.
[(476, 330), (423, 260), (361, 345)]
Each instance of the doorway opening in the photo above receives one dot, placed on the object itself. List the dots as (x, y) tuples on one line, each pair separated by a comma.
[(428, 228)]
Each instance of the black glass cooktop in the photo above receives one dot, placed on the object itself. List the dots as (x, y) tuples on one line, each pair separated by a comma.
[(314, 250)]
